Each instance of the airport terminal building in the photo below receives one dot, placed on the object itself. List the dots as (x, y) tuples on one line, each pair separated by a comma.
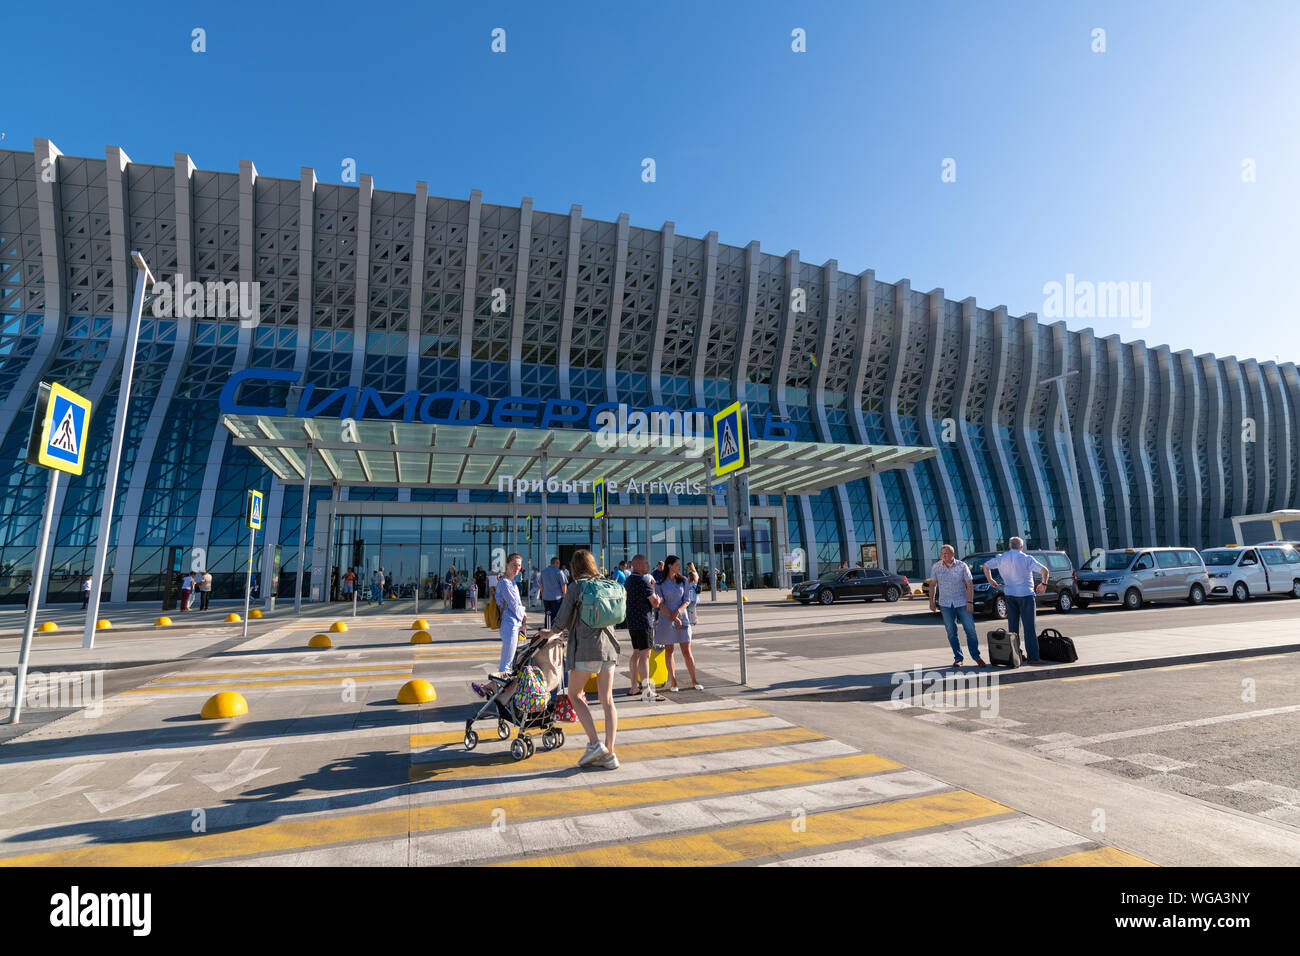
[(380, 305)]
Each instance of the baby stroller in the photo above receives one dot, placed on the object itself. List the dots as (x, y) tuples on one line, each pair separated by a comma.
[(523, 698)]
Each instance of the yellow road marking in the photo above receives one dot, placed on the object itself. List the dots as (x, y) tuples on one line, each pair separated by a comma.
[(624, 723), (283, 673), (270, 683), (1102, 856), (750, 841), (544, 760), (301, 834), (1180, 667)]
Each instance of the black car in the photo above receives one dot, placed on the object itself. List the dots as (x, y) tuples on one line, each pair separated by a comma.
[(990, 598), (865, 583)]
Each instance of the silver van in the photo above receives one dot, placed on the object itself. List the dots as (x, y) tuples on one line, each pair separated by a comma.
[(1243, 573), (1136, 576)]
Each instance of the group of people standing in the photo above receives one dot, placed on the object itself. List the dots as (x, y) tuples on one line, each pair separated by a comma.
[(661, 606), (952, 594)]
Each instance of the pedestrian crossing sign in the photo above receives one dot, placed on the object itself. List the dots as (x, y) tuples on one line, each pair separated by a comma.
[(59, 429), (730, 439), (255, 510), (602, 499)]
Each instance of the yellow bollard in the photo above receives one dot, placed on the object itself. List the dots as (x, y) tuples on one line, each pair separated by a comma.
[(103, 625), (320, 640), (338, 627), (233, 618), (420, 625), (254, 613), (225, 704), (48, 626), (421, 637), (162, 622), (416, 692)]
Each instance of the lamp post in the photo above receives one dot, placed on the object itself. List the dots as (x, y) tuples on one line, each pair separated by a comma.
[(143, 280)]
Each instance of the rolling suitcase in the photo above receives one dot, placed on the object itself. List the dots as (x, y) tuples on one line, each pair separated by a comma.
[(1004, 649), (1055, 646)]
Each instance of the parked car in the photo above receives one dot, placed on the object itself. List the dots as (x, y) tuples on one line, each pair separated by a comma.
[(990, 596), (1136, 576), (865, 583), (1242, 573)]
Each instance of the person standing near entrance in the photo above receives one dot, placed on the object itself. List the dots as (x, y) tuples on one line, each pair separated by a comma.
[(205, 589), (674, 627), (85, 593), (1017, 569), (641, 602), (187, 588), (953, 595), (513, 615), (554, 586), (349, 582)]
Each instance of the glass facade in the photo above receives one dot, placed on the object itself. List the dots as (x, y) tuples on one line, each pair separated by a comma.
[(401, 292)]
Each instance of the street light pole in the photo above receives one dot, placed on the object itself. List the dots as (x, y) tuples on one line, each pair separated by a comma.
[(143, 280)]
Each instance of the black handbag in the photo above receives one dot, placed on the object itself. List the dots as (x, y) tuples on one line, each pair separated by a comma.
[(1055, 646)]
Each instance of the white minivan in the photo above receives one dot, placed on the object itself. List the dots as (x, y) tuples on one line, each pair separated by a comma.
[(1242, 573)]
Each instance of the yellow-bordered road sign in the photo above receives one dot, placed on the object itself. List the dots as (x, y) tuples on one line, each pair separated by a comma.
[(602, 499), (255, 510), (59, 429), (731, 439)]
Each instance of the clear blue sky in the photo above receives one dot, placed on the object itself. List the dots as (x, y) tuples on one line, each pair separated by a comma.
[(1116, 166)]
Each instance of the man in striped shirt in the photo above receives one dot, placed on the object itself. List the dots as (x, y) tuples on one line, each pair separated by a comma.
[(952, 593)]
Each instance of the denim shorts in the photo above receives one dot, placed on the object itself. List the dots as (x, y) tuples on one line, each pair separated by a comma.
[(594, 667)]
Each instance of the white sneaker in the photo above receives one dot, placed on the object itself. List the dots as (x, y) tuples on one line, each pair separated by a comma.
[(592, 754), (648, 691), (607, 762)]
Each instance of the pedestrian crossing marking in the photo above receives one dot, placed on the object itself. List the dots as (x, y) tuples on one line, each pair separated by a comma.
[(499, 763), (624, 723), (757, 840), (300, 681), (1102, 856), (303, 834), (65, 436), (287, 672)]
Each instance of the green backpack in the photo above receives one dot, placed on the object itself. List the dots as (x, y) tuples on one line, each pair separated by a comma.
[(604, 603)]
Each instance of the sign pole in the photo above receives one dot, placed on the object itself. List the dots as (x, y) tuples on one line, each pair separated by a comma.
[(38, 576), (740, 578), (248, 579), (302, 532), (713, 552)]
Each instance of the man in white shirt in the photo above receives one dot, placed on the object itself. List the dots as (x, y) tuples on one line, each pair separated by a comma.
[(952, 592), (1018, 570)]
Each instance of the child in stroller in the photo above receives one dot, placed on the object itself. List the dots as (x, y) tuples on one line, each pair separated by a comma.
[(523, 697)]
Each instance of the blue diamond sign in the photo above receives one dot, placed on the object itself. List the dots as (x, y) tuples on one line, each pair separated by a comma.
[(59, 429)]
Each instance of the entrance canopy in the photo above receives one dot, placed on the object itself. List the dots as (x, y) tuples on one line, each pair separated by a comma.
[(416, 454)]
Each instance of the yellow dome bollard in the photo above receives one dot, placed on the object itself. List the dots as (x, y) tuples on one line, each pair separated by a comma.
[(103, 624), (233, 618), (338, 627), (225, 704), (420, 625), (416, 692), (320, 640), (254, 613), (48, 626), (421, 637), (162, 622)]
